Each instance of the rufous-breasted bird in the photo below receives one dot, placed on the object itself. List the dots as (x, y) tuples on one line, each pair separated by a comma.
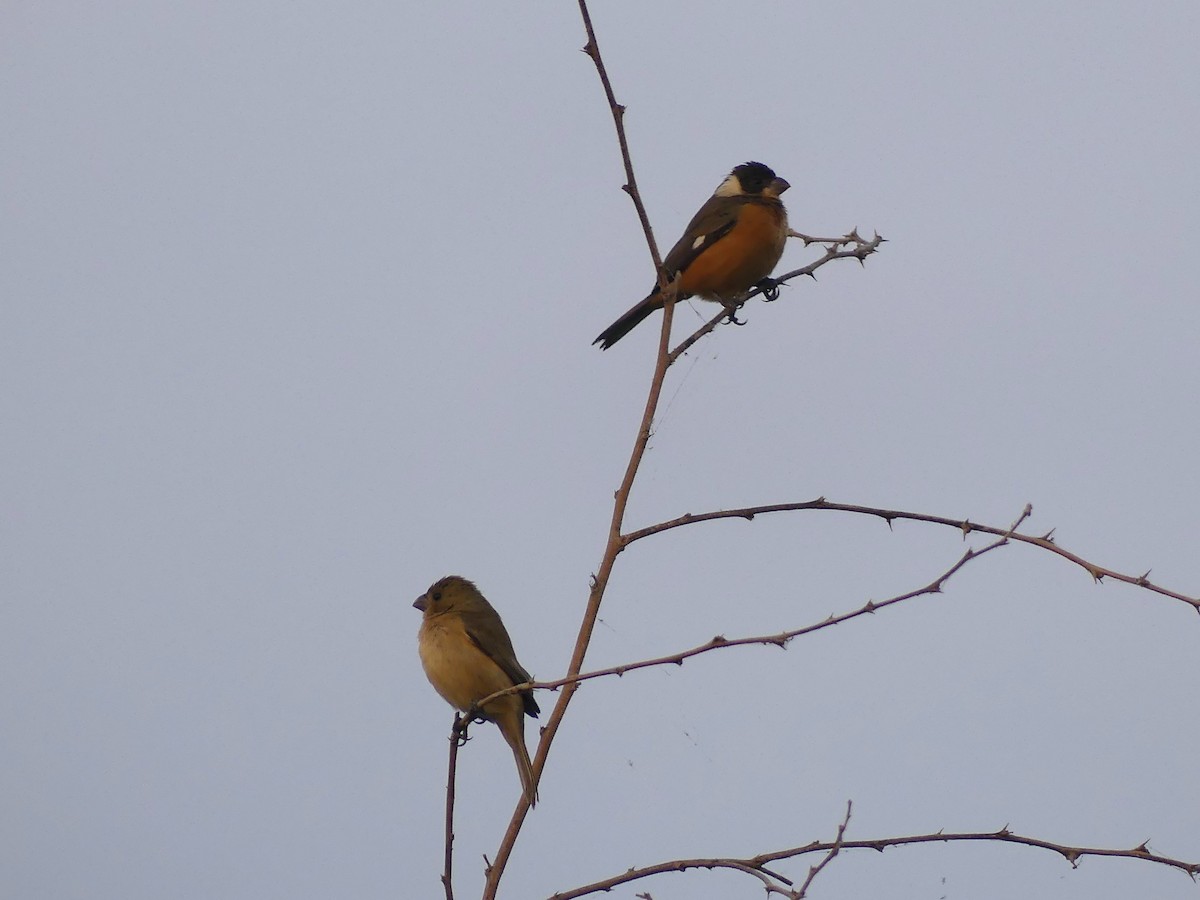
[(731, 244)]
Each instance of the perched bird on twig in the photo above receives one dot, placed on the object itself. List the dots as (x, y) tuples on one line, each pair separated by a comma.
[(730, 245), (467, 655)]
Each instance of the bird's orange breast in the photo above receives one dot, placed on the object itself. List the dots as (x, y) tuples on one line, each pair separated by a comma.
[(741, 258)]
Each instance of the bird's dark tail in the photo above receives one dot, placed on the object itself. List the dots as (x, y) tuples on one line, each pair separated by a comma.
[(629, 321)]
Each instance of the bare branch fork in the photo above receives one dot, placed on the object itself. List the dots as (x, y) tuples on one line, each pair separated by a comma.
[(783, 638), (834, 849), (870, 607), (755, 863), (773, 882)]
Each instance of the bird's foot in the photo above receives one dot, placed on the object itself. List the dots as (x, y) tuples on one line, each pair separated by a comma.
[(731, 315), (769, 288)]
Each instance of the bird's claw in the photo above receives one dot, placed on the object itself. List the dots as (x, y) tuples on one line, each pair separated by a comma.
[(731, 315), (769, 288), (459, 732)]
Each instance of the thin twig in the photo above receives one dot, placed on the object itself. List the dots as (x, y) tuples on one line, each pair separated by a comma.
[(813, 871), (862, 249), (458, 736), (592, 49)]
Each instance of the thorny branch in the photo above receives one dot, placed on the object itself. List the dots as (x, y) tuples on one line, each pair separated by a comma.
[(1070, 854), (813, 871), (966, 526), (783, 638), (458, 737), (613, 544), (663, 362), (861, 249)]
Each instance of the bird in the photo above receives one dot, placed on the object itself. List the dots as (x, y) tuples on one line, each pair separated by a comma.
[(467, 655), (732, 243)]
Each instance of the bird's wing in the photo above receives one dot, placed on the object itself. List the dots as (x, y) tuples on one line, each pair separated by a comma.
[(486, 632), (713, 221), (491, 638)]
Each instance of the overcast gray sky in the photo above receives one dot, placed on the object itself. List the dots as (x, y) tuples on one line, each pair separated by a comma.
[(297, 302)]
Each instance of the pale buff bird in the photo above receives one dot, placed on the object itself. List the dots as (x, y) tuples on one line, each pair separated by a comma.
[(467, 655)]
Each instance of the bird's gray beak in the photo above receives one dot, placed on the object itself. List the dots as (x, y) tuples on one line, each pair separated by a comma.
[(779, 185), (421, 603)]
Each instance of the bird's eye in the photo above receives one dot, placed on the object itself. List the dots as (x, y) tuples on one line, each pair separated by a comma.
[(437, 595)]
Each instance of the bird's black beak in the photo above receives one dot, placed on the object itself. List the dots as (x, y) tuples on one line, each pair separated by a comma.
[(421, 603), (778, 185)]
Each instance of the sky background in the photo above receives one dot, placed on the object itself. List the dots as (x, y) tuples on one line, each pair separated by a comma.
[(296, 305)]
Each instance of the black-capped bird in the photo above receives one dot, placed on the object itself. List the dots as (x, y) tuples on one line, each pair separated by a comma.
[(730, 245), (467, 655)]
